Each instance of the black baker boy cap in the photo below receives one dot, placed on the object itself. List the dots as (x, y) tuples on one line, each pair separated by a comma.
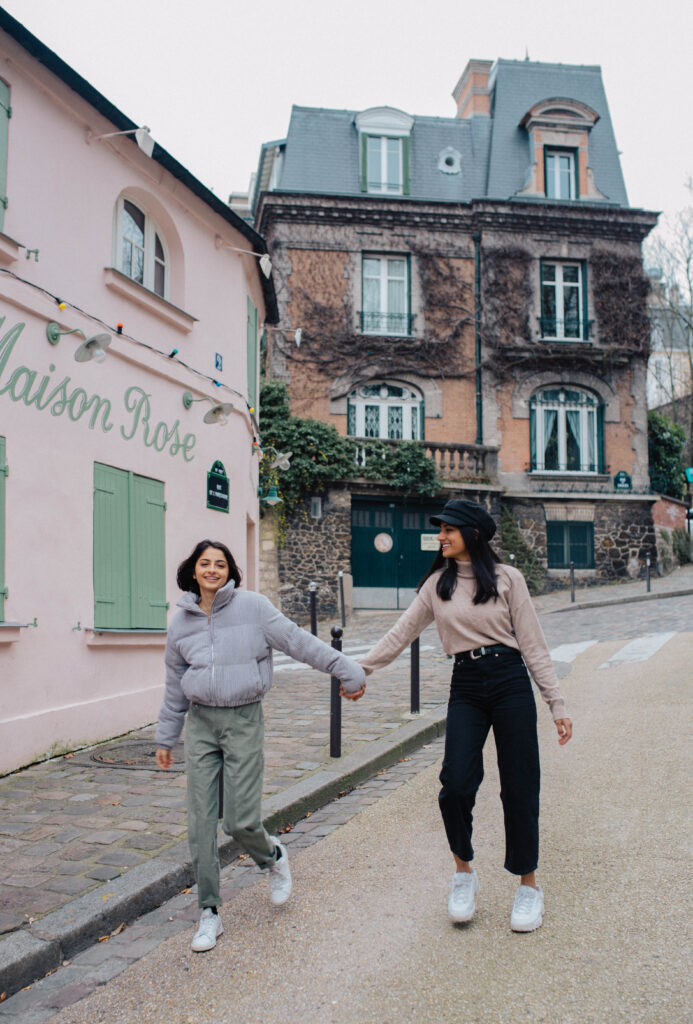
[(461, 512)]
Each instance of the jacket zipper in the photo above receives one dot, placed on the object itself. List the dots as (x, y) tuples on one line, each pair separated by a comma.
[(213, 692)]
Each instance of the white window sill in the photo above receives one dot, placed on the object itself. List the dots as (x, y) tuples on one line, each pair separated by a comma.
[(153, 303), (94, 637), (9, 250), (10, 632)]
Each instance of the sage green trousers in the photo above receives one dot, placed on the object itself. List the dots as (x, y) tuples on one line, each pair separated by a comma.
[(229, 740)]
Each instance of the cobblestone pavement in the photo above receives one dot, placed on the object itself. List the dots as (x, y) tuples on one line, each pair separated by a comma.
[(71, 826)]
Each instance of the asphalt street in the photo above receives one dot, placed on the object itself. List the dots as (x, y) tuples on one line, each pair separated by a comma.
[(366, 936)]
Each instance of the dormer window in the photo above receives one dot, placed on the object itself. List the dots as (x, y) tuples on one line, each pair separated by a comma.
[(384, 143), (559, 174), (559, 166)]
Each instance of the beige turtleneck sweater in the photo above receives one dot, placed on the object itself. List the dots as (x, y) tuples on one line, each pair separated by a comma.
[(464, 626)]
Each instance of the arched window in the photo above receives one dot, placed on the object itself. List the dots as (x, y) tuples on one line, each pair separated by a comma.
[(386, 410), (566, 432), (140, 251)]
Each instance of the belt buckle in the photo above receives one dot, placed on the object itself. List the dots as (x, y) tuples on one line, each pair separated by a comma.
[(475, 657)]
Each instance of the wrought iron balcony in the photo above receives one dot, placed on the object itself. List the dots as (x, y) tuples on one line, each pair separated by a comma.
[(400, 324)]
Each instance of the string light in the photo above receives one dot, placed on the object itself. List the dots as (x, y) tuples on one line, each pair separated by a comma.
[(62, 304)]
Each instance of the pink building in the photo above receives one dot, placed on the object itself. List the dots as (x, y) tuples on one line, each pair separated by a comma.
[(129, 324)]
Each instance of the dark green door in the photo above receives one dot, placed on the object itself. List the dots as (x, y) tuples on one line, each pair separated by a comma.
[(392, 547)]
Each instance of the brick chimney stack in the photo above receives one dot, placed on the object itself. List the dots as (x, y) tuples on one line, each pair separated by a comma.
[(471, 94)]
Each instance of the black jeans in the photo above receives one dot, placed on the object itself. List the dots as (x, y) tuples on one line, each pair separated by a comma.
[(494, 691)]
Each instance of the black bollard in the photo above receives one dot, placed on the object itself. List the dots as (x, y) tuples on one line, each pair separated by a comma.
[(647, 572), (312, 591), (414, 671), (335, 702), (572, 581)]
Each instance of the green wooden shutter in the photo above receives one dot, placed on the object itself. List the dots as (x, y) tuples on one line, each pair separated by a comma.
[(601, 460), (406, 176), (252, 354), (5, 114), (111, 548), (584, 333), (3, 475), (364, 162), (147, 556)]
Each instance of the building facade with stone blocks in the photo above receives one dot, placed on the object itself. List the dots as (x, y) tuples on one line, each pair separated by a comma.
[(475, 284), (129, 349)]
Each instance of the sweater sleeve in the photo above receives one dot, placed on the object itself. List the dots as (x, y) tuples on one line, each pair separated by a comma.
[(533, 646), (175, 703), (418, 615), (284, 635)]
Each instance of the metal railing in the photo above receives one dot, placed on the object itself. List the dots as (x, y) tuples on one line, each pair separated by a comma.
[(400, 324)]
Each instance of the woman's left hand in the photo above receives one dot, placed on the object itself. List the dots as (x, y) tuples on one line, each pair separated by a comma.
[(565, 729)]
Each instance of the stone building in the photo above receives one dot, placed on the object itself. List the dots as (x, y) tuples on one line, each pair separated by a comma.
[(474, 283)]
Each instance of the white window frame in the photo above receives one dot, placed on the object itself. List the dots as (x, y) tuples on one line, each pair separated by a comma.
[(560, 287), (376, 177), (410, 402), (151, 232), (381, 316), (556, 177), (587, 407)]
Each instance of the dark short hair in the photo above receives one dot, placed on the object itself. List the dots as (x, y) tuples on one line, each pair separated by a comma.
[(185, 576)]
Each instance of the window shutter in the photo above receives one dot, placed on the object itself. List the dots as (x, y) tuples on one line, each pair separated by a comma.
[(3, 475), (111, 548), (422, 420), (532, 436), (542, 311), (364, 162), (601, 460), (147, 558), (251, 334), (5, 114), (406, 177)]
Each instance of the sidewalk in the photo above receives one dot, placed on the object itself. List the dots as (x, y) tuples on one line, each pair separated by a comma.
[(96, 838)]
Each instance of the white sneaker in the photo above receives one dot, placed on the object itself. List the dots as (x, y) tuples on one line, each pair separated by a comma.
[(462, 902), (528, 909), (209, 930), (280, 876)]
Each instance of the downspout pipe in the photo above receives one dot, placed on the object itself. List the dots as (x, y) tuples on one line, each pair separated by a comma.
[(477, 337)]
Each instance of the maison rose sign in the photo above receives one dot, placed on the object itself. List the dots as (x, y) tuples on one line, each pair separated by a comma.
[(23, 384)]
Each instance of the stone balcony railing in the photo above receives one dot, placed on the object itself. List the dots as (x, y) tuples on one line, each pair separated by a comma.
[(454, 462)]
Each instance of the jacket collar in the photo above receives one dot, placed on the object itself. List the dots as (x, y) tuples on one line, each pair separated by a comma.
[(190, 601)]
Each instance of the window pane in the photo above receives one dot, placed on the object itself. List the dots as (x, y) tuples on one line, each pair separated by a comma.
[(572, 439), (548, 272), (550, 439), (549, 318), (571, 311), (415, 424), (571, 274), (159, 278), (373, 162), (566, 168), (395, 422), (393, 149), (351, 419), (551, 175), (137, 267), (158, 249), (372, 421), (133, 223)]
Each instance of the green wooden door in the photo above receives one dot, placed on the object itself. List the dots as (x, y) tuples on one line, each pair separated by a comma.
[(392, 547)]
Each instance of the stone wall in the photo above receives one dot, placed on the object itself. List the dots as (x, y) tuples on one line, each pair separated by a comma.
[(315, 550)]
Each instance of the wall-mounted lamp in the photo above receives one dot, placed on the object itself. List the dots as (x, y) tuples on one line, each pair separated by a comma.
[(142, 138), (272, 496), (91, 348), (217, 414), (263, 257), (298, 333)]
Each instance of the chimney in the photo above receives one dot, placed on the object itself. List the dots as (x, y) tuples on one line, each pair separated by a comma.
[(471, 94)]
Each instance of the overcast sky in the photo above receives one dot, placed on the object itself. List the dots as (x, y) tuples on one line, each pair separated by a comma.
[(215, 78)]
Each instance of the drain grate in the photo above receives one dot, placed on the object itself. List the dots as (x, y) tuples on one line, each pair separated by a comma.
[(134, 754)]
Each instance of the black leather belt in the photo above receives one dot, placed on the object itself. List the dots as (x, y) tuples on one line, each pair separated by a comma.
[(482, 652)]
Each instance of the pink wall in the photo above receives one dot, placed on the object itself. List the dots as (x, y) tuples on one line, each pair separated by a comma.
[(61, 684)]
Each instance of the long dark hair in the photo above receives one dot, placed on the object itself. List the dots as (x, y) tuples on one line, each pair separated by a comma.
[(483, 559), (185, 576)]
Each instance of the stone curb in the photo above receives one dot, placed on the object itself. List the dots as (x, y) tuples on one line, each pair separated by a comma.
[(29, 954), (603, 602)]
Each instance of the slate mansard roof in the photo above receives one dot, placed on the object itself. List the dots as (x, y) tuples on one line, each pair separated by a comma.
[(321, 151)]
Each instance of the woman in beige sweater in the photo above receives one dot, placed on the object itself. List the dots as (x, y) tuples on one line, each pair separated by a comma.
[(486, 619)]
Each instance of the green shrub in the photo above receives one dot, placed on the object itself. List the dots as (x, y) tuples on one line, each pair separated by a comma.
[(525, 558), (666, 441), (681, 544)]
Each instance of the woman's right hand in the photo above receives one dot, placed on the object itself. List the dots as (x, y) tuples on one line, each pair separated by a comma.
[(356, 695), (164, 757)]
